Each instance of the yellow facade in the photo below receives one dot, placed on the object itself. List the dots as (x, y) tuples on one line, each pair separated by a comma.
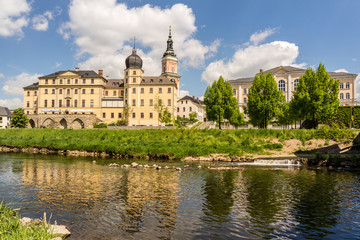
[(87, 92)]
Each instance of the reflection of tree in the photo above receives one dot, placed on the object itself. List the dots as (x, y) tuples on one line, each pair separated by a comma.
[(316, 203), (264, 196), (218, 191)]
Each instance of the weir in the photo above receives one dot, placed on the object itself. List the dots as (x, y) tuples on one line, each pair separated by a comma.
[(275, 162)]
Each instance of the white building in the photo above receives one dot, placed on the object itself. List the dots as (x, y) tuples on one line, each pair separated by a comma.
[(5, 117), (188, 105)]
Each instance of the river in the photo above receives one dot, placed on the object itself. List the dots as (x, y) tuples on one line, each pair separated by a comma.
[(99, 202)]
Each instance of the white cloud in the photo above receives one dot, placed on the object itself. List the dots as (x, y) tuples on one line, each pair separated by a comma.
[(1, 75), (354, 59), (103, 30), (13, 17), (260, 36), (41, 22), (184, 93), (14, 85), (341, 70), (11, 103)]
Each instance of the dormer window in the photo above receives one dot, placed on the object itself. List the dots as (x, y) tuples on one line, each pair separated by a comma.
[(160, 80), (151, 80)]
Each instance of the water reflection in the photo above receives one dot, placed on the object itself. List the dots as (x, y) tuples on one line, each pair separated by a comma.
[(98, 202)]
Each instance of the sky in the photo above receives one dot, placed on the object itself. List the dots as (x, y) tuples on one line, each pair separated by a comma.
[(232, 38)]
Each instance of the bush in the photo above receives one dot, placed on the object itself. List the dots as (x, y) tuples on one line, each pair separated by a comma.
[(100, 125)]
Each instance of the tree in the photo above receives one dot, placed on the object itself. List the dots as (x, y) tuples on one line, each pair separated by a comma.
[(220, 102), (164, 114), (18, 119), (237, 119), (264, 100), (316, 99), (193, 117)]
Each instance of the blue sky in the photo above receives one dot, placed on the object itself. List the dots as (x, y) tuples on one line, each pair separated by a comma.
[(211, 38)]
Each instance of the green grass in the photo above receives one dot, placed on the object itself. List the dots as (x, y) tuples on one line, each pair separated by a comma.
[(173, 142), (11, 229)]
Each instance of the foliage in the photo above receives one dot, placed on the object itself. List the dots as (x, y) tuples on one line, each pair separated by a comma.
[(10, 227), (285, 116), (173, 142), (237, 119), (121, 122), (219, 101), (164, 114), (316, 98), (19, 119), (100, 125), (264, 100), (193, 117)]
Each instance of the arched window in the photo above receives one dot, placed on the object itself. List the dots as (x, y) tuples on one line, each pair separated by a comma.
[(347, 85), (341, 85), (347, 95), (245, 100), (282, 85), (296, 83), (341, 96)]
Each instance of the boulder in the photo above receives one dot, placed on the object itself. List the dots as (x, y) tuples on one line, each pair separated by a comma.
[(59, 230), (134, 164)]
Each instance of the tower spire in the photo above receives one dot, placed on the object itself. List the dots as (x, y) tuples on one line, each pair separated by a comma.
[(134, 48), (169, 49)]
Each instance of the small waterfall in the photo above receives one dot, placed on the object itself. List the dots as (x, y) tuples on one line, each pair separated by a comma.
[(276, 162)]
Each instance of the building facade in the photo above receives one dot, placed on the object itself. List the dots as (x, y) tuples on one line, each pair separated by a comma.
[(5, 117), (287, 79), (187, 105), (80, 93)]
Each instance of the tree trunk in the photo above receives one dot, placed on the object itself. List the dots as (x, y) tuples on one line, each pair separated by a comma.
[(219, 121)]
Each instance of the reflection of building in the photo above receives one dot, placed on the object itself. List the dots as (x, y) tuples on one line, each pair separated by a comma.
[(287, 78), (82, 93), (5, 117), (188, 105)]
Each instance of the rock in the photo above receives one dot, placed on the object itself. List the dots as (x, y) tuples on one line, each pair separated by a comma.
[(125, 166), (134, 164), (154, 166), (146, 166), (166, 167), (191, 159), (57, 238), (37, 221), (140, 166), (94, 161), (205, 159), (178, 169), (25, 220), (199, 166), (158, 167), (113, 165), (59, 230), (186, 166)]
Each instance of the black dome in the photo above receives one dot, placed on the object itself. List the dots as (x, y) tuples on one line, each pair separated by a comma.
[(133, 61)]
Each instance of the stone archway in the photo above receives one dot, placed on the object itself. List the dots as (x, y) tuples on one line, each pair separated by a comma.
[(48, 123), (77, 124), (63, 123), (32, 123)]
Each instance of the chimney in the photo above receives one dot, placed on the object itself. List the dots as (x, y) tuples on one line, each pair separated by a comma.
[(193, 97), (261, 71), (100, 73), (197, 99), (77, 69)]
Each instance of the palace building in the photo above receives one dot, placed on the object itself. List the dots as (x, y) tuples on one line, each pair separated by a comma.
[(79, 98), (287, 78)]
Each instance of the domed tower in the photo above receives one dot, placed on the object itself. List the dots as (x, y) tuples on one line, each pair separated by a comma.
[(169, 62)]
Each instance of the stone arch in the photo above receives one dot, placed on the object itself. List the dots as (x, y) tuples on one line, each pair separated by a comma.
[(48, 123), (32, 123), (63, 123), (77, 124)]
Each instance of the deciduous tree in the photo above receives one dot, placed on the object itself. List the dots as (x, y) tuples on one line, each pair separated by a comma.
[(18, 119)]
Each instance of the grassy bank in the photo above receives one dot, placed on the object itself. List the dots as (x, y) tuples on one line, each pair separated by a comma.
[(173, 142), (10, 227)]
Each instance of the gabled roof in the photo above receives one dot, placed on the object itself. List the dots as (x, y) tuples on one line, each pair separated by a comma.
[(285, 68), (114, 83), (82, 73), (4, 111), (194, 100), (157, 80)]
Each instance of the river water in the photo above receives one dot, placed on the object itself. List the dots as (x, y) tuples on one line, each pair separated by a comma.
[(99, 202)]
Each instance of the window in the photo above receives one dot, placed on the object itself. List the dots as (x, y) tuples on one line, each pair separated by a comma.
[(114, 93), (52, 103), (53, 91), (60, 81), (134, 80), (245, 100), (75, 103), (160, 101), (134, 102), (53, 81), (126, 80), (164, 68), (84, 81), (92, 81), (341, 85), (142, 102), (91, 102), (142, 115), (83, 103), (83, 91), (112, 115), (245, 91), (172, 68), (190, 109), (68, 91), (46, 91), (45, 103), (281, 85), (347, 95), (169, 90), (151, 102), (76, 91), (183, 109), (35, 103), (27, 112), (341, 96), (68, 81), (169, 102), (106, 93), (296, 83), (60, 91), (134, 90), (234, 91), (142, 90), (347, 85), (76, 81), (178, 109), (151, 90), (133, 115), (67, 103), (122, 92), (28, 93), (134, 72), (46, 81), (91, 91), (160, 90), (60, 103), (104, 115), (186, 102), (119, 115), (151, 115), (35, 93), (27, 104)]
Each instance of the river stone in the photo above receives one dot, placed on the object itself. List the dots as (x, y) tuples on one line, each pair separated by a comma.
[(59, 230), (25, 220), (57, 238), (134, 164)]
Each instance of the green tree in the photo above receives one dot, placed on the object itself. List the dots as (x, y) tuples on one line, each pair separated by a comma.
[(264, 100), (193, 117), (237, 119), (18, 119), (164, 114), (316, 99), (220, 102)]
